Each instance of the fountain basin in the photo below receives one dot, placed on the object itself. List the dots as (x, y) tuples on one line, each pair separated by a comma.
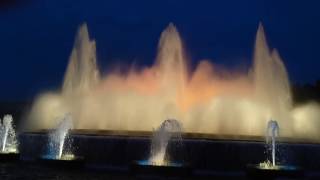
[(65, 162), (145, 167), (120, 149), (9, 156), (269, 172)]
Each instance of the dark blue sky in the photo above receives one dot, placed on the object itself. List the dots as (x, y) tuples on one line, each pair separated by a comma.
[(36, 37)]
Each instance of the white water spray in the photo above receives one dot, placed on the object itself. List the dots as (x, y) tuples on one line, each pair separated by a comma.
[(161, 138), (206, 100), (58, 137), (7, 135), (272, 133)]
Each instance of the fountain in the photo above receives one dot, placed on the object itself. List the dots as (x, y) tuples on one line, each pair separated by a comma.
[(160, 140), (211, 103), (8, 135), (58, 137), (9, 145), (159, 160), (207, 99), (269, 169), (59, 144), (272, 133)]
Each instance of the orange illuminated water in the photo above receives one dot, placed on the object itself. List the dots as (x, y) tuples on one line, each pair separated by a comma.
[(206, 100)]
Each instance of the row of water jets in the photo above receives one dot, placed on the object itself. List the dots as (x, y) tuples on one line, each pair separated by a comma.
[(173, 128), (58, 146), (169, 129)]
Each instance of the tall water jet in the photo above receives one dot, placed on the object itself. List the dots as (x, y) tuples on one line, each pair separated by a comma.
[(8, 135), (160, 140), (272, 133), (57, 138), (171, 64), (82, 73), (271, 82), (81, 76)]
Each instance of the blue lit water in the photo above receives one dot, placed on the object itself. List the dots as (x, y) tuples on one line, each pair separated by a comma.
[(148, 163)]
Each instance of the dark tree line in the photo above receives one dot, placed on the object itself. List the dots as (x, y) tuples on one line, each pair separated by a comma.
[(306, 92)]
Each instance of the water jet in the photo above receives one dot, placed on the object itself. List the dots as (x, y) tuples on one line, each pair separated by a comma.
[(9, 144), (160, 161), (271, 169), (59, 149)]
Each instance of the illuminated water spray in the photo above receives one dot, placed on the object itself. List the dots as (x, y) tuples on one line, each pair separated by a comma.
[(205, 98), (272, 133), (57, 138), (160, 140), (7, 135)]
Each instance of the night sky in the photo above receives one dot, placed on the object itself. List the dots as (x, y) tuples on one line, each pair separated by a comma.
[(36, 36)]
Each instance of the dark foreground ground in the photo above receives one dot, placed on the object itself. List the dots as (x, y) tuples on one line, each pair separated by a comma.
[(34, 171)]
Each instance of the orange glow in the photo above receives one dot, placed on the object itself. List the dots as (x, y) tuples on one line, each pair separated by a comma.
[(208, 99)]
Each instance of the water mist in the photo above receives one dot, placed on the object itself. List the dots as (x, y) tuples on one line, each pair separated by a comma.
[(207, 100)]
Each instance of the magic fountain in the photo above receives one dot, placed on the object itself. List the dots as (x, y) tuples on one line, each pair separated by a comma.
[(209, 102), (206, 100)]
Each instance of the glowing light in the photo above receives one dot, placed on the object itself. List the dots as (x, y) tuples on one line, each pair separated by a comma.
[(207, 99), (67, 157)]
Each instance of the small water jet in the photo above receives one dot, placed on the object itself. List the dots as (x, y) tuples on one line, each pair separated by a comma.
[(59, 142), (8, 135), (59, 150), (269, 168), (160, 140), (159, 160), (57, 139), (272, 133)]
